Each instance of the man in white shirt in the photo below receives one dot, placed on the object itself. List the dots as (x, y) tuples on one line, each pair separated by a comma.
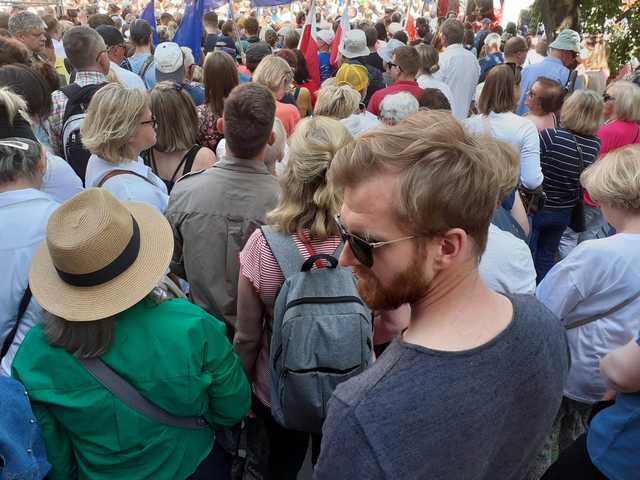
[(459, 68), (117, 52)]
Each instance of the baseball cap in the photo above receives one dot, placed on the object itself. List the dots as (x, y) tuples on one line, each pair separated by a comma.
[(567, 40), (169, 61), (111, 35), (386, 52), (486, 21), (356, 76)]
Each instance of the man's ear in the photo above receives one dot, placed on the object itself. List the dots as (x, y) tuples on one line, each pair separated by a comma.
[(220, 125), (272, 138)]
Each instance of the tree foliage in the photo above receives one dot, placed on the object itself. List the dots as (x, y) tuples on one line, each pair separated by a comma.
[(618, 20)]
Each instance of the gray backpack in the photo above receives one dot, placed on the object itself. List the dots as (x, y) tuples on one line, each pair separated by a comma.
[(322, 334)]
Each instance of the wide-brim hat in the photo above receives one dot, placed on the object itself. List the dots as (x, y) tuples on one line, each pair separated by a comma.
[(567, 40), (354, 44), (100, 257)]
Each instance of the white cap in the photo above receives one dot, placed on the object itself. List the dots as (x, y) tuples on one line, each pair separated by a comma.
[(169, 61), (327, 36)]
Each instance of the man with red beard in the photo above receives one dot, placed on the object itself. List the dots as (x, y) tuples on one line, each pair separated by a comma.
[(471, 388)]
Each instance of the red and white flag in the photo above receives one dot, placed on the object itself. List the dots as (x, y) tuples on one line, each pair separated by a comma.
[(309, 47), (343, 27), (410, 25)]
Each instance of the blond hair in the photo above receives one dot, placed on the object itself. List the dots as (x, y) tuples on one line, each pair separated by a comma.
[(307, 201), (614, 180), (582, 112), (112, 118), (176, 115), (273, 72), (13, 104), (337, 102), (447, 178), (626, 105)]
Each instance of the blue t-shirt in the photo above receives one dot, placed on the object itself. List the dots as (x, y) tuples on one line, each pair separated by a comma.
[(137, 61), (613, 441), (325, 65), (488, 62), (196, 92)]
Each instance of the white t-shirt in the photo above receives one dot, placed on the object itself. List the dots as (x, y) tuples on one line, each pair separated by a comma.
[(506, 265), (129, 79), (60, 180), (427, 81), (595, 277), (519, 132), (460, 70)]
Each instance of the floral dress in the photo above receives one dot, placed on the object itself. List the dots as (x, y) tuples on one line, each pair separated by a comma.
[(208, 134)]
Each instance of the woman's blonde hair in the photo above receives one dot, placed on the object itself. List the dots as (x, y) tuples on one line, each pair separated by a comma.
[(626, 103), (614, 180), (582, 112), (112, 118), (337, 102), (307, 200), (272, 72), (176, 115)]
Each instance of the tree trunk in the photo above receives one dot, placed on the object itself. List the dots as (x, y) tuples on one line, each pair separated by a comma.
[(559, 14)]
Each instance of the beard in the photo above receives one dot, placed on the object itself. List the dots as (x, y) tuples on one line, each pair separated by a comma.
[(408, 286)]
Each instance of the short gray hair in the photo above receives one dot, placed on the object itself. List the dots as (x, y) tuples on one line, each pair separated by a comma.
[(82, 46), (25, 22), (395, 108), (19, 158), (493, 40)]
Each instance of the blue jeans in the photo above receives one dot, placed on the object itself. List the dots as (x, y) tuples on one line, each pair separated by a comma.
[(546, 232)]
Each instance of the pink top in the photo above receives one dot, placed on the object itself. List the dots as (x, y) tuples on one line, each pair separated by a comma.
[(288, 115), (542, 122), (258, 265), (614, 135)]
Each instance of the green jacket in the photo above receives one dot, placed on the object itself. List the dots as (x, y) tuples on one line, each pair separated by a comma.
[(176, 355)]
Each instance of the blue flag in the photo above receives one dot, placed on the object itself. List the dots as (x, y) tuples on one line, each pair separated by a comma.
[(213, 4), (149, 14), (189, 33), (269, 3)]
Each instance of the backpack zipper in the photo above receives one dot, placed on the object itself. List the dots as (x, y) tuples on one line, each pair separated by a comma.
[(323, 370), (323, 300)]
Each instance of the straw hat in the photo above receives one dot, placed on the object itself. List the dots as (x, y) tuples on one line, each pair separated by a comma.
[(100, 256)]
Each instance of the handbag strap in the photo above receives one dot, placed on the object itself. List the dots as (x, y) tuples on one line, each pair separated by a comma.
[(22, 308), (609, 312), (123, 390), (580, 165)]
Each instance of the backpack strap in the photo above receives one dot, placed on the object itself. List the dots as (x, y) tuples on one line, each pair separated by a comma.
[(611, 311), (126, 392), (114, 173), (284, 250), (78, 95), (145, 66), (22, 308)]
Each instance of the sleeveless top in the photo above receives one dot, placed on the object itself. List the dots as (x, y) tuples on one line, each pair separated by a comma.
[(187, 161)]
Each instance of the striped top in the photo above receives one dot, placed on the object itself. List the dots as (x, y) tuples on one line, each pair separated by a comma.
[(560, 164)]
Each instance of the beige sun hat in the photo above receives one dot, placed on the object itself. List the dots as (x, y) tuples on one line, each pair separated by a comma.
[(100, 256)]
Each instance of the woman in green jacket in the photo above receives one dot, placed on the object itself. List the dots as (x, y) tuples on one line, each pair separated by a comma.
[(95, 276)]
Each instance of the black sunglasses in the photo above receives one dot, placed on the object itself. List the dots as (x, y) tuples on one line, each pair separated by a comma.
[(607, 98), (363, 250)]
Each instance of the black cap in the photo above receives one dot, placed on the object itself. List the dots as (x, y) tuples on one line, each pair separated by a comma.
[(111, 35), (140, 31)]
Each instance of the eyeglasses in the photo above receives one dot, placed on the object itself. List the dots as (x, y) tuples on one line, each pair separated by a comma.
[(363, 250), (153, 122), (391, 64), (607, 98)]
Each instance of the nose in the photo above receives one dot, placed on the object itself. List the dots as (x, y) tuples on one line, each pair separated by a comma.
[(347, 258)]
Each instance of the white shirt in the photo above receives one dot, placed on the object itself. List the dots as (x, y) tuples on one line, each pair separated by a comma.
[(23, 216), (595, 277), (460, 70), (427, 81), (129, 79), (506, 265), (517, 131), (58, 48), (359, 123), (60, 181), (128, 188)]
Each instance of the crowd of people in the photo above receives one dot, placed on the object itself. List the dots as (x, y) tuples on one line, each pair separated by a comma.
[(413, 254)]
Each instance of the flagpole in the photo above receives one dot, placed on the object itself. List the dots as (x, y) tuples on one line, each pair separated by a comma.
[(243, 56)]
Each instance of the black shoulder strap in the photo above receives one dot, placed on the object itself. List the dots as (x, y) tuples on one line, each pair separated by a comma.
[(145, 66), (187, 161), (123, 390), (22, 308), (78, 96), (570, 86)]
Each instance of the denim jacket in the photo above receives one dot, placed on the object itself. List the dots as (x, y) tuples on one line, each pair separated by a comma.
[(22, 452)]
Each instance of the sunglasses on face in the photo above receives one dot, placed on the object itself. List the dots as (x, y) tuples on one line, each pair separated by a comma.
[(607, 98), (363, 250)]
